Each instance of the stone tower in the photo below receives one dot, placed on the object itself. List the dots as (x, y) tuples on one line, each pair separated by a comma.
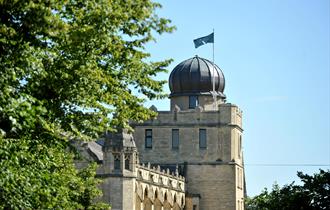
[(128, 185), (201, 135), (119, 170)]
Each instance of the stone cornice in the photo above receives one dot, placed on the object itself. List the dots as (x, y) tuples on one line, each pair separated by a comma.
[(179, 124)]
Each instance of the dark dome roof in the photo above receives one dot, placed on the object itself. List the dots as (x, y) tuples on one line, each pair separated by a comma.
[(195, 77)]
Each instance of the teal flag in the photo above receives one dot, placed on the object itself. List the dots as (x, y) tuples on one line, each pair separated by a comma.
[(204, 40)]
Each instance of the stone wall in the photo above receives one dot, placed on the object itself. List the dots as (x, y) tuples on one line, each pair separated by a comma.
[(223, 129), (119, 192), (210, 172), (148, 188), (158, 185), (214, 176), (214, 183)]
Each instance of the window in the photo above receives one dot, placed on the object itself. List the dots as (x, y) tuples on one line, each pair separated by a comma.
[(237, 175), (240, 178), (117, 162), (148, 138), (175, 138), (127, 163), (202, 138), (239, 146), (193, 102), (146, 192)]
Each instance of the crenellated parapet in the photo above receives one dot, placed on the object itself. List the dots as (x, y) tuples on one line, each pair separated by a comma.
[(162, 178), (160, 187)]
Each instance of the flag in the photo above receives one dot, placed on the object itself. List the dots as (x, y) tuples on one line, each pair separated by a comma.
[(203, 40)]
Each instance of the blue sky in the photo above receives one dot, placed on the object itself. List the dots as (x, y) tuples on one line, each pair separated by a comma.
[(275, 58)]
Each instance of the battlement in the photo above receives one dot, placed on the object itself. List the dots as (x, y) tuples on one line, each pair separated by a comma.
[(159, 177)]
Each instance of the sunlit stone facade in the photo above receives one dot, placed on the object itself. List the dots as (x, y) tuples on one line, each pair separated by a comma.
[(189, 157)]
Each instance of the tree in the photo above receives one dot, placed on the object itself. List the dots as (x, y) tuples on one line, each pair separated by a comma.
[(69, 70), (313, 194)]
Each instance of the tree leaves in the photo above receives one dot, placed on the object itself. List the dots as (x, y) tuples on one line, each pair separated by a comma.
[(313, 194), (69, 69)]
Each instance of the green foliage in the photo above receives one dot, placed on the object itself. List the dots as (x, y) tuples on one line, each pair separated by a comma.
[(34, 175), (69, 69), (313, 194)]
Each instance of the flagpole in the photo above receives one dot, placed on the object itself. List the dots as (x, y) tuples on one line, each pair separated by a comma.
[(214, 94), (213, 62), (199, 42)]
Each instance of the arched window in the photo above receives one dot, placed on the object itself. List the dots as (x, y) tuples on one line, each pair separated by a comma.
[(127, 162), (157, 204), (116, 162), (145, 192), (166, 204), (147, 202)]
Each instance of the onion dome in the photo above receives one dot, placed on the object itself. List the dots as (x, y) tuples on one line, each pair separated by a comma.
[(195, 77)]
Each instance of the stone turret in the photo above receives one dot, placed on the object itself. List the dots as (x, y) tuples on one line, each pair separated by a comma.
[(120, 153)]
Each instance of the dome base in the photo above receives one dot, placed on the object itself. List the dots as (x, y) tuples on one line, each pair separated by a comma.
[(209, 93)]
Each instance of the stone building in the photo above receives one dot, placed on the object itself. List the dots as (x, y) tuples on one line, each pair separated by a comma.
[(189, 157)]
